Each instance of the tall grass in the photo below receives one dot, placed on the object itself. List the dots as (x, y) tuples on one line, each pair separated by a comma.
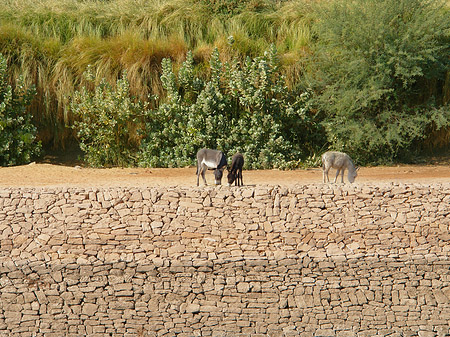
[(51, 43), (191, 20)]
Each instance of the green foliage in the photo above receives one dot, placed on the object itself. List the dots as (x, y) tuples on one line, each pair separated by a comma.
[(239, 107), (375, 73), (51, 42), (233, 7), (372, 61), (107, 119), (18, 143)]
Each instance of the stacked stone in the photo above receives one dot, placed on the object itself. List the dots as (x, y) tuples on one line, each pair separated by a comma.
[(359, 260)]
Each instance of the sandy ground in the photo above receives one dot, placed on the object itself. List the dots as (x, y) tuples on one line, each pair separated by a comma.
[(50, 175)]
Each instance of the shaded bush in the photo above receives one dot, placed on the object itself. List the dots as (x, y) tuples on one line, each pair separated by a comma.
[(107, 117), (18, 143), (374, 61)]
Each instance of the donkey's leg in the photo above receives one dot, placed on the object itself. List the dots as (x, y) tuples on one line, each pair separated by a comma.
[(198, 172), (240, 177), (326, 179), (342, 175), (204, 168), (325, 169), (337, 174), (236, 177)]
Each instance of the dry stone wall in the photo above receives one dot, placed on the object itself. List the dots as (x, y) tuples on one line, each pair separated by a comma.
[(313, 260)]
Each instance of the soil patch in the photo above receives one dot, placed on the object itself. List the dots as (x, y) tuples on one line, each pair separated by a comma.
[(50, 175)]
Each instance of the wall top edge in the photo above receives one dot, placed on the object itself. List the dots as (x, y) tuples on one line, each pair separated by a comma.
[(222, 188)]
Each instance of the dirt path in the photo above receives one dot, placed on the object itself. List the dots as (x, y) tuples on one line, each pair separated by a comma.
[(38, 175)]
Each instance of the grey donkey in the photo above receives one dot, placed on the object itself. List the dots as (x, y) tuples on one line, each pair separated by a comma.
[(341, 162), (208, 159), (235, 172)]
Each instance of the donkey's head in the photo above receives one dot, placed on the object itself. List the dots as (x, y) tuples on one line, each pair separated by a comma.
[(231, 177), (352, 174), (218, 173)]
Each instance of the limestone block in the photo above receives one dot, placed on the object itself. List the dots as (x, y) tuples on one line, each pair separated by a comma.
[(440, 296), (248, 193), (334, 249), (136, 196), (44, 203), (42, 298), (190, 205), (243, 287), (193, 308)]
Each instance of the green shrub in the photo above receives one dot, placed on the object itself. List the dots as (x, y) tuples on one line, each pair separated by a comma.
[(106, 122), (51, 42), (240, 107), (18, 144), (374, 62)]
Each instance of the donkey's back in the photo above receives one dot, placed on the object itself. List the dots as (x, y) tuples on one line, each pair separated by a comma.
[(335, 159)]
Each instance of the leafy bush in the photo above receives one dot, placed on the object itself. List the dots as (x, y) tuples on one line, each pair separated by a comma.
[(374, 60), (106, 122), (240, 107), (18, 144), (51, 42)]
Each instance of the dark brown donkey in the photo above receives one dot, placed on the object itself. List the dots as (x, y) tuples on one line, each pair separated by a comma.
[(235, 172)]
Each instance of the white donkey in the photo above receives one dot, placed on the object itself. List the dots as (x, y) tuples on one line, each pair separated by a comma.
[(340, 161), (212, 160)]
